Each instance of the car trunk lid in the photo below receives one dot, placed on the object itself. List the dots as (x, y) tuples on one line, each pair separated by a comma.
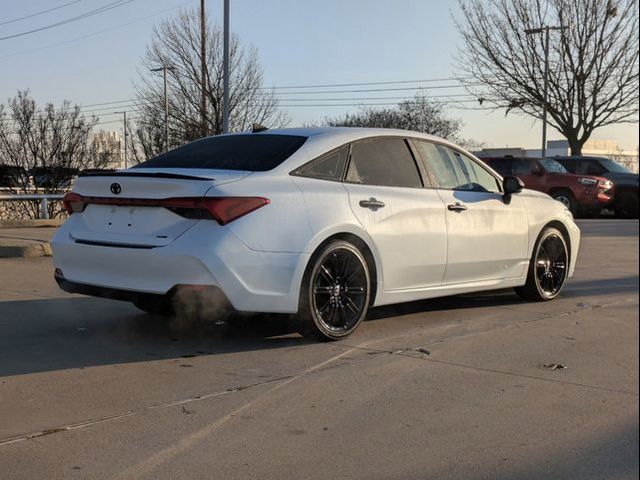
[(126, 209)]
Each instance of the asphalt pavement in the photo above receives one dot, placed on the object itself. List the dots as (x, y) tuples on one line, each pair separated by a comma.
[(469, 387)]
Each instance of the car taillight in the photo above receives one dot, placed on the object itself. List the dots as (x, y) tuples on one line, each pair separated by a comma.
[(221, 209), (226, 210), (73, 203)]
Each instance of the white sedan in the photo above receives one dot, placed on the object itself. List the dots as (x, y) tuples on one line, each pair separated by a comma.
[(322, 222)]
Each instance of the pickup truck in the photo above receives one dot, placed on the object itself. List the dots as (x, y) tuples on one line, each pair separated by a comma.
[(581, 194), (625, 203)]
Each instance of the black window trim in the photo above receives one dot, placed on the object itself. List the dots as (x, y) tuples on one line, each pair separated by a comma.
[(434, 183)]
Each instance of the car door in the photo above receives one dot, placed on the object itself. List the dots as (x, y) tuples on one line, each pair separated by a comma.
[(487, 237), (405, 221)]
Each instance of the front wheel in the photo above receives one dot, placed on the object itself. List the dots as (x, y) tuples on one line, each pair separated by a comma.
[(567, 199), (335, 292), (627, 205), (548, 269)]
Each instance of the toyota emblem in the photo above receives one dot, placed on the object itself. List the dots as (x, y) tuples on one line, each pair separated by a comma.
[(116, 188)]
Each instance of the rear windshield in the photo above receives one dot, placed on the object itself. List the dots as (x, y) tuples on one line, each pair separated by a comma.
[(252, 153)]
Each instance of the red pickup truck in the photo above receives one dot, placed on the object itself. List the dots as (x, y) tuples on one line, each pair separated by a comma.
[(582, 194)]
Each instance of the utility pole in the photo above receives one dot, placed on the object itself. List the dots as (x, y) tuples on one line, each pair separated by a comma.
[(533, 31), (164, 70), (124, 121), (203, 70), (225, 70)]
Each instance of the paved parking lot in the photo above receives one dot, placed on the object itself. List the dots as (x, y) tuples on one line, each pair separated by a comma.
[(452, 388)]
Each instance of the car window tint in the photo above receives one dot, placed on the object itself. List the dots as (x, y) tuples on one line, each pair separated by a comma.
[(570, 164), (246, 152), (384, 162), (593, 167), (502, 166), (522, 166), (329, 166)]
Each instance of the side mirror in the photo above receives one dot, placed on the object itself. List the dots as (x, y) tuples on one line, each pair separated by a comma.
[(510, 186)]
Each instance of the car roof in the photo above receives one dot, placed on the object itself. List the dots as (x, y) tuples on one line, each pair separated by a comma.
[(353, 133), (324, 139)]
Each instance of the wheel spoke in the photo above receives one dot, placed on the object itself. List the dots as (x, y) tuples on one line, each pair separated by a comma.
[(322, 290), (327, 275)]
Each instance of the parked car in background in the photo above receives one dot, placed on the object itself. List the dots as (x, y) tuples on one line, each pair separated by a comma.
[(57, 178), (581, 194), (625, 203), (12, 177), (322, 222)]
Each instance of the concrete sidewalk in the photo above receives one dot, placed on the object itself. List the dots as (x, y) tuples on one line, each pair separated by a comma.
[(26, 242)]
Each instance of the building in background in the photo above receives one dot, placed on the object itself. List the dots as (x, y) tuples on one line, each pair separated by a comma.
[(109, 150), (592, 148)]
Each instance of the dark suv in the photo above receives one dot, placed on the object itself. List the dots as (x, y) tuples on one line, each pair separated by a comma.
[(582, 194), (625, 203)]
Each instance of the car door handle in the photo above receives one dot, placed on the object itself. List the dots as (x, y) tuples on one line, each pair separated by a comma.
[(372, 203), (456, 207)]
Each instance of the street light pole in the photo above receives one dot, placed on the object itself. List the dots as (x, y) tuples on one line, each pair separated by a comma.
[(203, 71), (124, 120), (164, 69), (225, 70), (533, 31)]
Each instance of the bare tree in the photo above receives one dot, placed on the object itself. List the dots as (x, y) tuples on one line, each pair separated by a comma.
[(176, 43), (593, 60), (418, 114), (47, 147)]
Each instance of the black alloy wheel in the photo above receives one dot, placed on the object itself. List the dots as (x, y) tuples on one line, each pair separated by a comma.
[(336, 292), (548, 269)]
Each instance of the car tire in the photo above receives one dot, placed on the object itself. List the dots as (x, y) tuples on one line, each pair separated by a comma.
[(162, 307), (335, 292), (548, 267), (567, 199), (626, 205)]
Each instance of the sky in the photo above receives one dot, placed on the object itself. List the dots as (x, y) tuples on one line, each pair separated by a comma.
[(304, 42)]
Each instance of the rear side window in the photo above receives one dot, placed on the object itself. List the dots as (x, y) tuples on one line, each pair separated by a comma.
[(522, 166), (327, 167), (252, 153), (383, 161)]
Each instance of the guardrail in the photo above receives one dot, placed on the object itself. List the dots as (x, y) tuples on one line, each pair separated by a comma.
[(42, 199)]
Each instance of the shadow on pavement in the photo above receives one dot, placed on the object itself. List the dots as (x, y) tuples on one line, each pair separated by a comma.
[(76, 332)]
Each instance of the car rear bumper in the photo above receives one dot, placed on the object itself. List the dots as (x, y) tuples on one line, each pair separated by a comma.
[(205, 255)]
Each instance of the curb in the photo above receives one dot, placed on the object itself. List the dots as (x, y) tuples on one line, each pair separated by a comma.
[(33, 223), (25, 251)]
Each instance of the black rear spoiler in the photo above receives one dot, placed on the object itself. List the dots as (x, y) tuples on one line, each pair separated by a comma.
[(113, 173)]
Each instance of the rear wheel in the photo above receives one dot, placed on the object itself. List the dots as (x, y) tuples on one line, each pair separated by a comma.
[(335, 292), (548, 268), (627, 205), (567, 199)]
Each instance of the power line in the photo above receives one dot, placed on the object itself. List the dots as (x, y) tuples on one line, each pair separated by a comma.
[(99, 32), (327, 85), (397, 89), (6, 22), (104, 8)]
